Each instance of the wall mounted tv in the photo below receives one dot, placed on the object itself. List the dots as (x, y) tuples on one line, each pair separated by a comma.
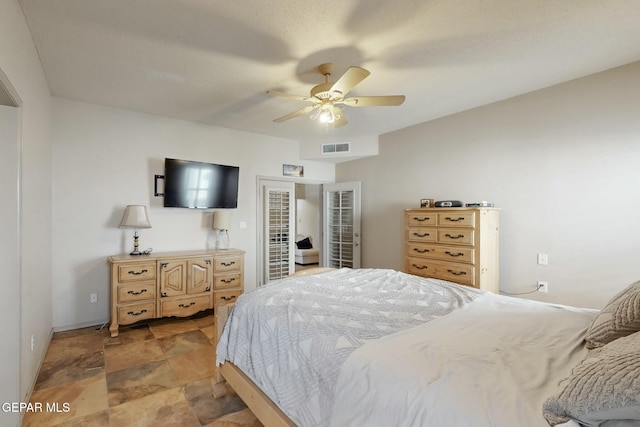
[(198, 185)]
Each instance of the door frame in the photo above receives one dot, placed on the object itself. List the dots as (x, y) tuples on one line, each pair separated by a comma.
[(260, 217)]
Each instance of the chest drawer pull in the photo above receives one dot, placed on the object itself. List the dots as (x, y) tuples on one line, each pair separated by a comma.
[(140, 292), (420, 234), (421, 219), (454, 255), (228, 298), (188, 305), (457, 273), (421, 251), (131, 313), (461, 218), (137, 273), (420, 267), (233, 279), (459, 236), (228, 264)]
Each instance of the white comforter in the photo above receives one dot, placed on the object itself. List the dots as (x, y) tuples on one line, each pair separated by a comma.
[(382, 348), (491, 363)]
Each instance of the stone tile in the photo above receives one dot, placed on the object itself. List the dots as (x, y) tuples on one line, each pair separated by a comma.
[(64, 371), (167, 408), (132, 354), (204, 321), (130, 335), (170, 327), (93, 420), (207, 408), (184, 343), (244, 418), (193, 366), (77, 332), (62, 349), (210, 332), (74, 400), (139, 381)]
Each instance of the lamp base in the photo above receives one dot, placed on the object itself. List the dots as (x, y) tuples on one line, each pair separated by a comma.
[(136, 253)]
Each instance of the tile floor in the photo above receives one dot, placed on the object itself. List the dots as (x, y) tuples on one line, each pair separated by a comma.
[(156, 374)]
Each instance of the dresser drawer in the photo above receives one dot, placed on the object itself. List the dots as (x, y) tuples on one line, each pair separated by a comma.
[(447, 253), (456, 219), (421, 219), (226, 297), (132, 313), (185, 306), (458, 236), (138, 272), (229, 263), (132, 293), (224, 281), (421, 234), (463, 274)]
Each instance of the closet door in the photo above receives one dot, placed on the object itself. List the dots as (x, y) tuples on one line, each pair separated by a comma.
[(279, 229), (341, 224)]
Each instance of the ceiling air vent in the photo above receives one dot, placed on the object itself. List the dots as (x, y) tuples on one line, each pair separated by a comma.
[(342, 147)]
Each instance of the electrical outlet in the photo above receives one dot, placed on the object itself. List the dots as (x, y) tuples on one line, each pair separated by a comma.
[(543, 259), (93, 298), (543, 286)]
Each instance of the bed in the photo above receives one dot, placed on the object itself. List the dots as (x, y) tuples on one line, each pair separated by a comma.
[(377, 347)]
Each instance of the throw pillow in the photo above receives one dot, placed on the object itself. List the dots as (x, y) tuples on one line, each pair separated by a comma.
[(603, 387), (619, 318), (304, 244)]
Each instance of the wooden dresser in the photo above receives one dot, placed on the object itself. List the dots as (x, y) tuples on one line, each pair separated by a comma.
[(460, 245), (172, 284)]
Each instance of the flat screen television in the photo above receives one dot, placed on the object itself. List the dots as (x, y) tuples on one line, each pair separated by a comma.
[(198, 185)]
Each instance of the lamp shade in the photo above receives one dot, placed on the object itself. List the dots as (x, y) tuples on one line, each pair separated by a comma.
[(135, 216), (222, 220)]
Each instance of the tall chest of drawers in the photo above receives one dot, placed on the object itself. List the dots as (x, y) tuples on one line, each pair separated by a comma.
[(460, 245), (176, 284)]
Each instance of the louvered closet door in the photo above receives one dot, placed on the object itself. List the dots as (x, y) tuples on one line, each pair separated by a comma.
[(342, 224), (279, 229)]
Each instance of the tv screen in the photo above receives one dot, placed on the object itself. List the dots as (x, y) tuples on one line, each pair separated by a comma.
[(198, 185)]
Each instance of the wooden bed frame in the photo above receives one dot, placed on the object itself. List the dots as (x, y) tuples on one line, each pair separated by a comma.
[(261, 405)]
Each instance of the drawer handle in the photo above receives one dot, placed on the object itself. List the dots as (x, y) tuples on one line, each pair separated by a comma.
[(164, 265), (208, 288), (228, 298), (457, 273), (186, 306), (228, 264), (421, 251), (207, 261), (233, 279), (140, 292), (420, 267), (424, 218), (460, 218), (454, 255), (131, 313), (421, 234), (459, 236), (137, 273)]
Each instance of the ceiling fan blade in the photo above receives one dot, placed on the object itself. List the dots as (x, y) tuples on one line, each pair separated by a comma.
[(341, 121), (300, 112), (288, 95), (350, 79), (374, 101)]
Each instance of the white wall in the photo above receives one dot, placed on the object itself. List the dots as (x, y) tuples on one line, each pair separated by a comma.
[(105, 158), (561, 163), (21, 66)]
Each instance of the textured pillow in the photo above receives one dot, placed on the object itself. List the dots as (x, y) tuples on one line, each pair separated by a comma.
[(604, 386), (304, 244), (619, 318)]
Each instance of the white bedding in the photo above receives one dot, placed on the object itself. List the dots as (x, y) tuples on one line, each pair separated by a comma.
[(379, 347), (492, 362)]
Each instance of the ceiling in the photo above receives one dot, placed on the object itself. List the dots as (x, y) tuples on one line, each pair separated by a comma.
[(212, 61)]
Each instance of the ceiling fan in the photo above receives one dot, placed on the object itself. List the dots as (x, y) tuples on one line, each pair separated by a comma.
[(328, 99)]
